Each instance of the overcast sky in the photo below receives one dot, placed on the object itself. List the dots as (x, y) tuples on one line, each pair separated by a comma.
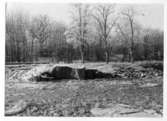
[(154, 13)]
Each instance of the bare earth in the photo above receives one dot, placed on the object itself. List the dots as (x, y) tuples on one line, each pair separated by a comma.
[(137, 93)]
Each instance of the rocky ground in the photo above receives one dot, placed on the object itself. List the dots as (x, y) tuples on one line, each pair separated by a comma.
[(136, 91)]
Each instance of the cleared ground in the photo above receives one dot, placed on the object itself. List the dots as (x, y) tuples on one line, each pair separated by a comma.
[(137, 91)]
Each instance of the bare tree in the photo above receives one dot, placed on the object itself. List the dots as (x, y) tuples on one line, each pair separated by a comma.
[(124, 38), (153, 44), (129, 14), (41, 30), (77, 32), (16, 41), (105, 20), (57, 40), (90, 36)]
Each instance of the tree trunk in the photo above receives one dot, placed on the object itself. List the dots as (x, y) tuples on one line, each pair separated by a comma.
[(82, 57), (131, 55), (132, 41), (107, 56), (32, 51), (18, 53), (82, 53)]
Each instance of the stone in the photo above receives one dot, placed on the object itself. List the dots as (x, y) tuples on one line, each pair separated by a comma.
[(149, 85), (140, 114), (114, 110), (150, 111), (62, 72), (19, 107), (66, 72), (80, 73), (94, 73), (102, 112)]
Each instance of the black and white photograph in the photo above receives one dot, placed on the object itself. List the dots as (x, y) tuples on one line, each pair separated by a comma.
[(84, 59)]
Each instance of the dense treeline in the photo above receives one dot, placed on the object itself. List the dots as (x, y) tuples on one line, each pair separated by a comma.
[(96, 33)]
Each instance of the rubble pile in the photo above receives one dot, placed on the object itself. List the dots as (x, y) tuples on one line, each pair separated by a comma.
[(140, 71)]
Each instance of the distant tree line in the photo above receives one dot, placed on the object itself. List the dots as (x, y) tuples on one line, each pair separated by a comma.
[(96, 33)]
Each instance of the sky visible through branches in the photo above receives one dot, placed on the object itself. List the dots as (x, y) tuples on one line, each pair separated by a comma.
[(153, 13)]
